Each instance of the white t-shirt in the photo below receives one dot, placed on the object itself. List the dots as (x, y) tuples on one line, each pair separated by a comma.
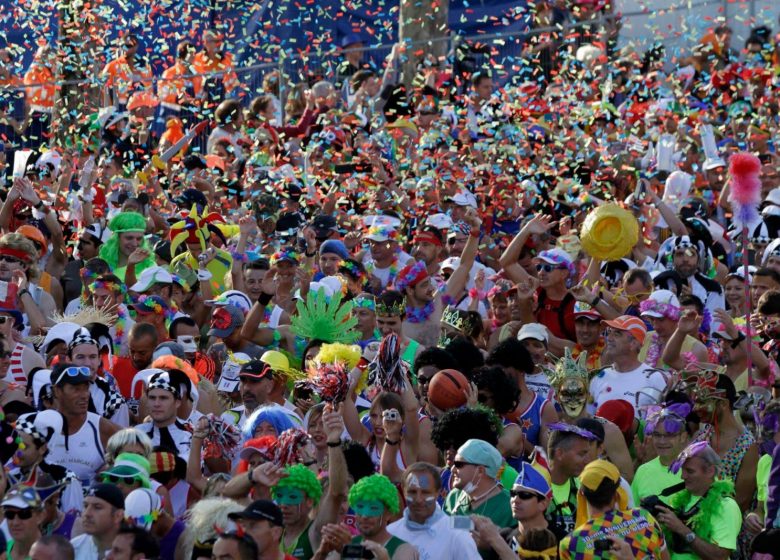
[(610, 384), (538, 383)]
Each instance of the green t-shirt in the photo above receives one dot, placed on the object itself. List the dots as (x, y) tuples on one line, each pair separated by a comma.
[(496, 508), (762, 479), (508, 476), (651, 479), (726, 524), (562, 510)]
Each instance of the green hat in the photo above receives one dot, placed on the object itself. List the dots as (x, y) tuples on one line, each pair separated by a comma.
[(130, 465), (375, 487), (127, 221), (300, 477)]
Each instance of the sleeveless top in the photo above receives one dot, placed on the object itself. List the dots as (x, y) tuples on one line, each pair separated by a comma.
[(530, 420), (16, 371), (732, 460), (81, 452), (302, 549), (390, 546)]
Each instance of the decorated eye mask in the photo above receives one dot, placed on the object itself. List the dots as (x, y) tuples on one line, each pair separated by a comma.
[(369, 508), (289, 496)]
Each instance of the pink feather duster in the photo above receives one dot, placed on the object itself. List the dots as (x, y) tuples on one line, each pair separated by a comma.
[(745, 195)]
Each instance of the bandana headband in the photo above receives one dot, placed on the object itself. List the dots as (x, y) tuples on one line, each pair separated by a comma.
[(427, 237), (668, 310), (80, 339), (162, 381), (16, 253), (28, 427)]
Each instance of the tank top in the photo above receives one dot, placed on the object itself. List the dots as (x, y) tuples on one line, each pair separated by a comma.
[(390, 546), (82, 452), (16, 371), (530, 420)]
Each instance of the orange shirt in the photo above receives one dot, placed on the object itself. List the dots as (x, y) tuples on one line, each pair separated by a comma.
[(125, 80), (124, 371), (42, 94), (175, 81), (202, 64)]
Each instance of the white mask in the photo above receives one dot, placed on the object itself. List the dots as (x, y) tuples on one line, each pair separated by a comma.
[(187, 342)]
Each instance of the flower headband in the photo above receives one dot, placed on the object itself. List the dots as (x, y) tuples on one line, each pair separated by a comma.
[(114, 287), (411, 275), (287, 254), (668, 310), (351, 269), (151, 304), (692, 450), (383, 231), (671, 417), (365, 303), (572, 429)]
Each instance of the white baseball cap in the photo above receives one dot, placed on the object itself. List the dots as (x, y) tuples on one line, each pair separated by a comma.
[(534, 331), (149, 277)]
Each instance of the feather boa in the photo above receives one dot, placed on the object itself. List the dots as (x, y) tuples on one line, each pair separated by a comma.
[(701, 522)]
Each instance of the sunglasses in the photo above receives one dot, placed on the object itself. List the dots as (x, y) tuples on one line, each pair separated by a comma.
[(73, 371), (548, 267), (523, 495), (461, 464), (10, 259), (21, 514), (4, 319), (114, 479)]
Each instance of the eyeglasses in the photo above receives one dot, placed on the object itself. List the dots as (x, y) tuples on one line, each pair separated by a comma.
[(547, 267), (23, 514), (10, 259), (73, 371), (4, 319), (523, 495), (461, 464)]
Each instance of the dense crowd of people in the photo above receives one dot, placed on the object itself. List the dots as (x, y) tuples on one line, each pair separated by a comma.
[(380, 318)]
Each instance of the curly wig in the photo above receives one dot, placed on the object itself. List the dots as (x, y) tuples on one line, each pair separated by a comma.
[(302, 478), (204, 518), (375, 487), (502, 387), (457, 426)]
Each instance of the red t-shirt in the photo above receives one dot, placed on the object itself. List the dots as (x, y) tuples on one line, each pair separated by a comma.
[(124, 371), (549, 314)]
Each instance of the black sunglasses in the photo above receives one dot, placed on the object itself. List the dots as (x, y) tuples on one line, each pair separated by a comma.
[(21, 514), (547, 267), (461, 464), (523, 495)]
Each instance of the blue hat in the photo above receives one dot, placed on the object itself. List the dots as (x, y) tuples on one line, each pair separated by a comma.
[(480, 452), (530, 479), (351, 39), (336, 247)]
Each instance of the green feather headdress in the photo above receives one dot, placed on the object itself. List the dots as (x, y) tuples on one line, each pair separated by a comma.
[(323, 318)]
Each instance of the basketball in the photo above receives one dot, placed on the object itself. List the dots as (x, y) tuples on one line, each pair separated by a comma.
[(446, 389)]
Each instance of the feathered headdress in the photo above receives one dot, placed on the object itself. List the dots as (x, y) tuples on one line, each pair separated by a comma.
[(324, 319), (745, 194), (195, 228)]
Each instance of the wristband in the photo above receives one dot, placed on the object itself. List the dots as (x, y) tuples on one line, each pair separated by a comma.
[(249, 476), (334, 443), (23, 292), (740, 337), (476, 294), (265, 299), (203, 275), (38, 206), (308, 254), (595, 301), (391, 442), (239, 257)]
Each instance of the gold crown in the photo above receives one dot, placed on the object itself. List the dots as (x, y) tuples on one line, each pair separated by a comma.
[(390, 310), (452, 317)]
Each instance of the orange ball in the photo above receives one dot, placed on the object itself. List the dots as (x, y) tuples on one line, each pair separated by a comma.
[(446, 389)]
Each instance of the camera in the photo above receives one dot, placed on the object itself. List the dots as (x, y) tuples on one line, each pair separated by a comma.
[(651, 503), (602, 545), (391, 415), (355, 552)]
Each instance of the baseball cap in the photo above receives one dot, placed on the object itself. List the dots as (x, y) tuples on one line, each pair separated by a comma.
[(652, 306), (464, 198), (530, 479), (130, 465), (22, 497), (480, 452), (584, 310), (149, 277), (255, 369), (140, 507), (450, 263), (619, 412), (633, 325), (231, 369), (224, 320), (235, 298), (323, 225), (109, 493), (535, 331), (260, 510), (336, 247), (555, 256), (381, 233), (351, 39)]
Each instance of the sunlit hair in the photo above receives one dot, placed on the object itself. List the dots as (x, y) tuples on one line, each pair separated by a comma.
[(123, 438)]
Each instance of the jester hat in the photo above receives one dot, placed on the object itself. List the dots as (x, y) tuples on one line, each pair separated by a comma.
[(195, 228)]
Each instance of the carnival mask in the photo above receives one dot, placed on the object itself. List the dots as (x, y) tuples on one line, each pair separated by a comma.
[(573, 396)]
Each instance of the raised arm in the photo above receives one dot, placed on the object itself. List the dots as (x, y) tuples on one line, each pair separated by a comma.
[(508, 260), (457, 282), (329, 509), (355, 428)]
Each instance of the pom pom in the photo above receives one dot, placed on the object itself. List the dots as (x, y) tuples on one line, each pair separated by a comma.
[(222, 439), (387, 371), (330, 382), (745, 194), (290, 446)]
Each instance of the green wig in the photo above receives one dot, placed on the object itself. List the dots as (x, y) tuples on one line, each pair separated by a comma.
[(302, 478), (375, 487), (125, 222)]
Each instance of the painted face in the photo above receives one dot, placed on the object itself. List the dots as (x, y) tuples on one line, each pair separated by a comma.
[(573, 396), (369, 508), (289, 496)]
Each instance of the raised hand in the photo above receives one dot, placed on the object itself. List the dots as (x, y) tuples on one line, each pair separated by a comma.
[(268, 474), (541, 223)]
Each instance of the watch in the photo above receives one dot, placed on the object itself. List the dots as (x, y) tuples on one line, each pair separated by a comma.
[(690, 537)]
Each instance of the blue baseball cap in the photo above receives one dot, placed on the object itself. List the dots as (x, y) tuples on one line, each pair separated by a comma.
[(335, 247), (479, 452), (351, 39), (532, 480)]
